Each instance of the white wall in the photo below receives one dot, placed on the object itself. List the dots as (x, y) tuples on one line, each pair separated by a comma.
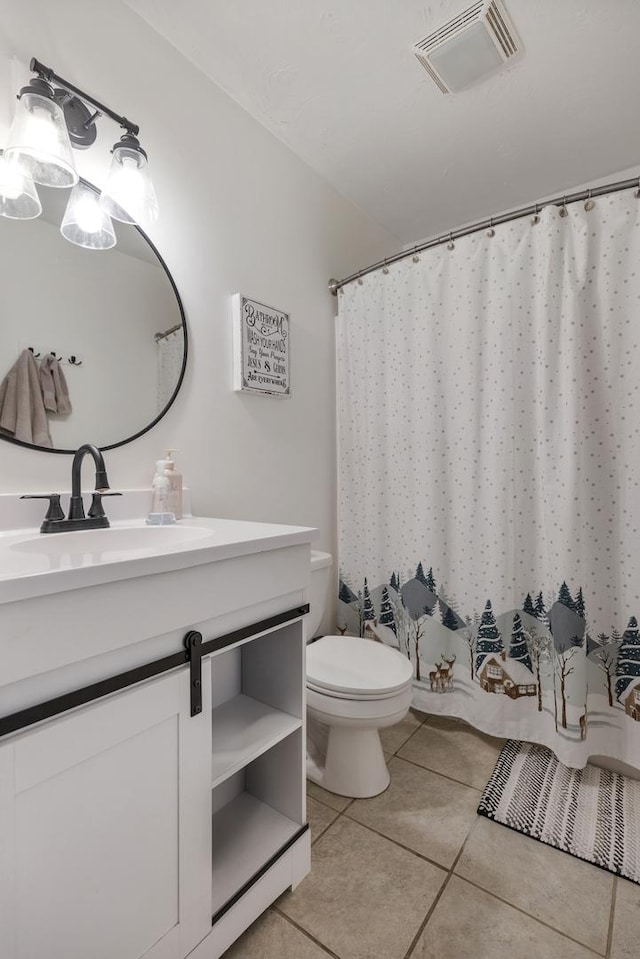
[(239, 212)]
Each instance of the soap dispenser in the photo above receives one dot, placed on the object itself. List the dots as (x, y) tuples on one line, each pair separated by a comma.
[(160, 513), (175, 484)]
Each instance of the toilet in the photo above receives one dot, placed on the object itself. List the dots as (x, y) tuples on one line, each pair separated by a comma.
[(355, 687)]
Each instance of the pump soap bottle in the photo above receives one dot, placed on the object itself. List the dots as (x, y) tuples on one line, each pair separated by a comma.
[(160, 513), (175, 485)]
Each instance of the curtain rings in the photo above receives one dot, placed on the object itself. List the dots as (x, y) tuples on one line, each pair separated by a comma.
[(637, 192), (451, 245), (385, 268), (589, 203), (360, 278), (491, 231), (415, 258), (563, 209), (536, 215)]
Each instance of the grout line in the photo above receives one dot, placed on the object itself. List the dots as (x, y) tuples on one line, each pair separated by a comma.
[(612, 914), (305, 932), (542, 922), (435, 902), (438, 773), (396, 842), (426, 919)]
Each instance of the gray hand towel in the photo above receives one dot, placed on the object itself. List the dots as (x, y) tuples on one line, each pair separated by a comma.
[(55, 391), (22, 411)]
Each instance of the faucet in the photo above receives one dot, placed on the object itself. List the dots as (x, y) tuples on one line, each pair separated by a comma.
[(54, 521)]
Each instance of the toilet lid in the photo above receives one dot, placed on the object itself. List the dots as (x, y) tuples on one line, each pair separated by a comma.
[(357, 667)]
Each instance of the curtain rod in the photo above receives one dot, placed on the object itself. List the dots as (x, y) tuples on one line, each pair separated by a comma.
[(531, 210), (161, 336)]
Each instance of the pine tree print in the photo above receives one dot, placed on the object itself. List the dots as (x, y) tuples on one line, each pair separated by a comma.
[(386, 612), (368, 612), (344, 592), (579, 603), (430, 581), (420, 575), (489, 639), (628, 665), (518, 649), (565, 597), (448, 618), (528, 606), (540, 611), (394, 582)]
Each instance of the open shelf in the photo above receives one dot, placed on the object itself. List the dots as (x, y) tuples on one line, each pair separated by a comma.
[(243, 729), (246, 834)]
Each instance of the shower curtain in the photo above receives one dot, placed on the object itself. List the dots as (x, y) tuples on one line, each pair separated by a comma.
[(170, 357), (489, 472)]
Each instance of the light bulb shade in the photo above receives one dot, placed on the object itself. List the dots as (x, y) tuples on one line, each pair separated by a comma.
[(85, 223), (128, 194), (19, 198), (39, 141)]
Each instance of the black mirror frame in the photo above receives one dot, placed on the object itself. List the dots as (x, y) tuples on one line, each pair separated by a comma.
[(183, 320)]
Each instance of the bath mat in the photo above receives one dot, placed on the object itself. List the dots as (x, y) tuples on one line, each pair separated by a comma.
[(590, 813)]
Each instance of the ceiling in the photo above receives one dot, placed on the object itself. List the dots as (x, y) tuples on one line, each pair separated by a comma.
[(337, 82)]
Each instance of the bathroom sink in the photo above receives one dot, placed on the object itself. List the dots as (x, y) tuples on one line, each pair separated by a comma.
[(38, 564), (111, 543)]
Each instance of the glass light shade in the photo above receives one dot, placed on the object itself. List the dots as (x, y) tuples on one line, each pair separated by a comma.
[(19, 198), (39, 142), (128, 194), (85, 223)]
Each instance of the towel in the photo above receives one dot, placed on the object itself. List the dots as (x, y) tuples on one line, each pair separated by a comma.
[(54, 385), (22, 411)]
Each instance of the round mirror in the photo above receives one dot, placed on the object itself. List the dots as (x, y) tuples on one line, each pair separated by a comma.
[(114, 320)]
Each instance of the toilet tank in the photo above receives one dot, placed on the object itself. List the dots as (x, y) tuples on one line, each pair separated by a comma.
[(320, 572)]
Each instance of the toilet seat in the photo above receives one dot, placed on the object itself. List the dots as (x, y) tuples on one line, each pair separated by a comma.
[(347, 667)]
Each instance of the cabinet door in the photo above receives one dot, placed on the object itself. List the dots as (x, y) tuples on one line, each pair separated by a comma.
[(105, 829)]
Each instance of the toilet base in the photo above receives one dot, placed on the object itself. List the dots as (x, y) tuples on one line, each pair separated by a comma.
[(355, 765)]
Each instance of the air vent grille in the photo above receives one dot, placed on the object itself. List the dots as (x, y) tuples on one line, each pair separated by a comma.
[(469, 47)]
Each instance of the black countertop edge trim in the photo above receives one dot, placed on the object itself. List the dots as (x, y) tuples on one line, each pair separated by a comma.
[(79, 697), (258, 875)]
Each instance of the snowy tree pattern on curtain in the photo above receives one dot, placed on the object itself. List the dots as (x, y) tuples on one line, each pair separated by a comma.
[(170, 357), (489, 457)]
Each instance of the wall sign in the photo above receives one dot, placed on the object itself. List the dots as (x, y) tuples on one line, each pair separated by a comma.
[(261, 348)]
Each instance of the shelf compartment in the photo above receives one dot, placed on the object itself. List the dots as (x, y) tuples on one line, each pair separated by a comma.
[(246, 834), (243, 729)]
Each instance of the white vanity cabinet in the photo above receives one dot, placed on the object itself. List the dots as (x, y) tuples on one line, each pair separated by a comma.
[(105, 829), (152, 792)]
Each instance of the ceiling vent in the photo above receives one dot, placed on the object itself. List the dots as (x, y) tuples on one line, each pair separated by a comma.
[(468, 48)]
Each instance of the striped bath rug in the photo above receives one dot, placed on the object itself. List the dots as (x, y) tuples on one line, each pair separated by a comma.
[(590, 813)]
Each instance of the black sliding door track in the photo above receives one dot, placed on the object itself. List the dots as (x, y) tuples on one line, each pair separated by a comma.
[(86, 694)]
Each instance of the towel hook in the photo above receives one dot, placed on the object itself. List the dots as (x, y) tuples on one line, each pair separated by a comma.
[(36, 355), (74, 361)]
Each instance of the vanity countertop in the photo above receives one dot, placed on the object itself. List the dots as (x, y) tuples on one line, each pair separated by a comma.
[(34, 564)]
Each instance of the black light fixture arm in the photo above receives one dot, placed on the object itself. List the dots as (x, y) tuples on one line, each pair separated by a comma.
[(48, 74)]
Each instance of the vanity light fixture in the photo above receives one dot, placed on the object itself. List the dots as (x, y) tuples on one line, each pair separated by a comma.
[(53, 117), (38, 139), (85, 223), (19, 198)]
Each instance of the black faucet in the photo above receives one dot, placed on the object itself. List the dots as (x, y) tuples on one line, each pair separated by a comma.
[(54, 521)]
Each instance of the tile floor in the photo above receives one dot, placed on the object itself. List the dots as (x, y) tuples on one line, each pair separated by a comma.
[(416, 874)]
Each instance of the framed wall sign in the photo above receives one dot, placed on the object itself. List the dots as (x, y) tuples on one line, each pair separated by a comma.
[(261, 346)]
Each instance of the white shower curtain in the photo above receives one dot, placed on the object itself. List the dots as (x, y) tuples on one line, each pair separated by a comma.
[(489, 461), (170, 357)]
